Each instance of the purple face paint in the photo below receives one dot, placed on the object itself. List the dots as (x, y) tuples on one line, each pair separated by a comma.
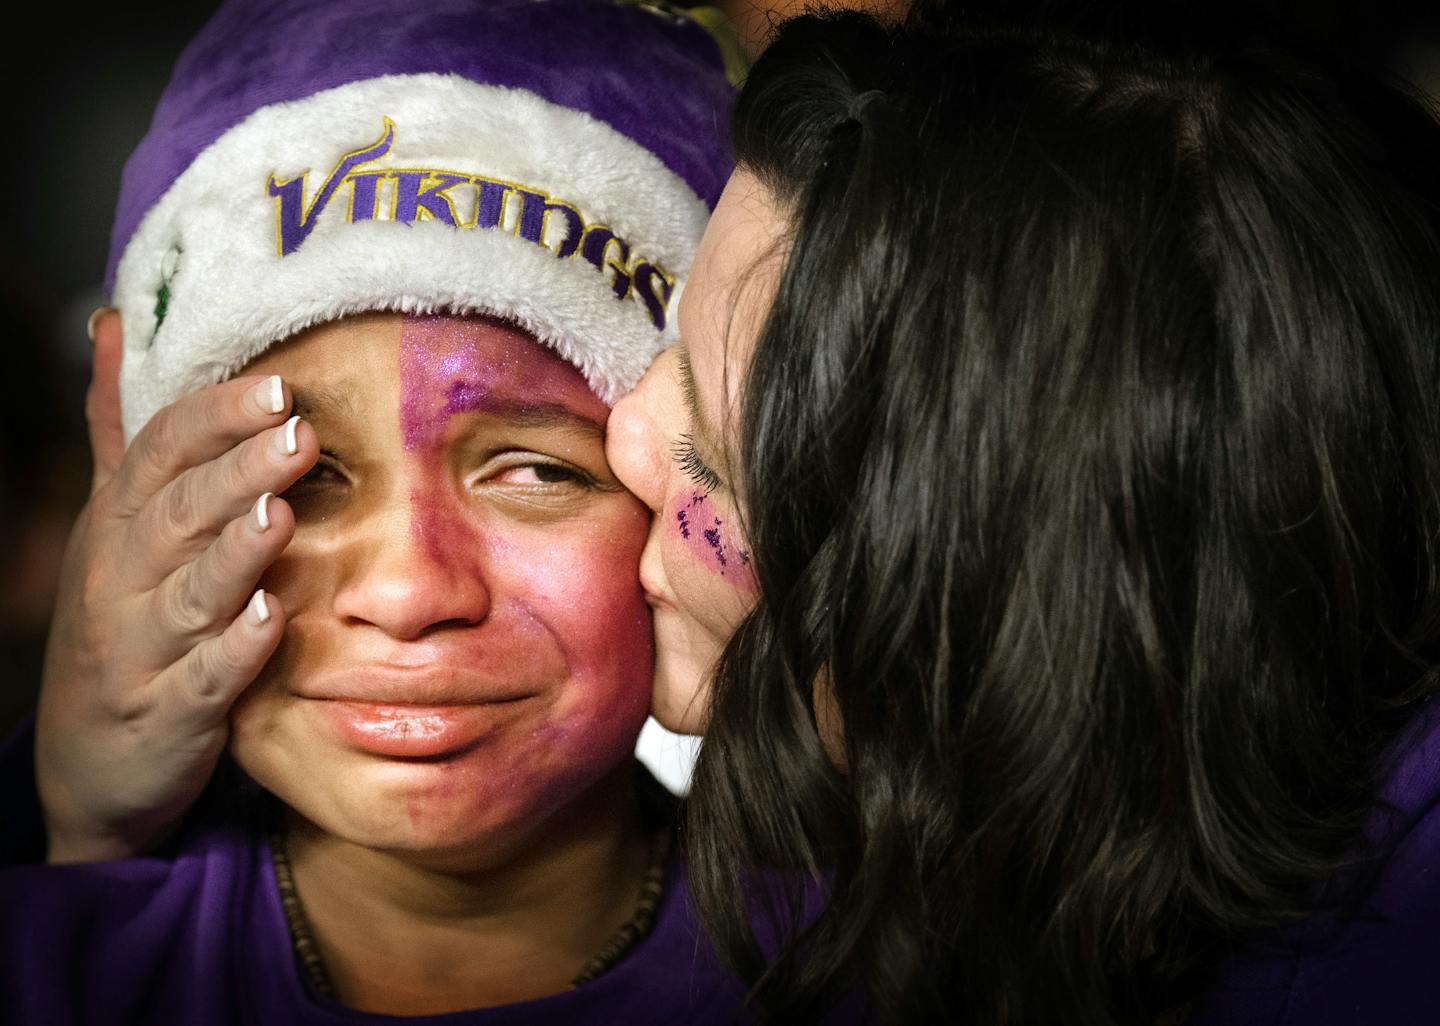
[(482, 645), (705, 534), (439, 363), (570, 586), (441, 371), (451, 366)]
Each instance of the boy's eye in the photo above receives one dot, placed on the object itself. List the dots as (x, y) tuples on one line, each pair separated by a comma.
[(541, 474), (322, 473), (553, 473), (321, 492), (316, 474)]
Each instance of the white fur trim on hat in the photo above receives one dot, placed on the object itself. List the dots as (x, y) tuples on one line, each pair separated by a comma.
[(205, 286)]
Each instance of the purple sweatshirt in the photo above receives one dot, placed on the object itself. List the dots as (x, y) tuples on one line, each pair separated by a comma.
[(197, 936), (1378, 965)]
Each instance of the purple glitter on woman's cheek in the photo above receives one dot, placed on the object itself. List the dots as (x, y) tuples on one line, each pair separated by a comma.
[(710, 546), (712, 538)]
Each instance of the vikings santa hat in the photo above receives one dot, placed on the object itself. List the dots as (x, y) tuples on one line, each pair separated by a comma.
[(552, 162)]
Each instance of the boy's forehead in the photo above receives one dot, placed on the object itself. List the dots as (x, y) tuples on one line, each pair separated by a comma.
[(452, 367), (440, 365), (473, 357)]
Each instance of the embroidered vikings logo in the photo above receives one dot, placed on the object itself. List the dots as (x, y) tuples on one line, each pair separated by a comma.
[(466, 201)]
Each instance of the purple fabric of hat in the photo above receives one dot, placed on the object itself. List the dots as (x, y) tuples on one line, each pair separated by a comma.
[(549, 161)]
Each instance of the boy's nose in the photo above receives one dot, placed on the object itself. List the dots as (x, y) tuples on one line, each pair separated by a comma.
[(424, 571)]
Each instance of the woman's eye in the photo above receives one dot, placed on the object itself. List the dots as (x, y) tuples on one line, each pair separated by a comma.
[(685, 456)]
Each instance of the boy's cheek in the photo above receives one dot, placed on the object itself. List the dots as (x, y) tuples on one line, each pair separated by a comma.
[(599, 617)]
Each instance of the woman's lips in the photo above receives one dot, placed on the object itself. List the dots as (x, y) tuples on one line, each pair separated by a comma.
[(413, 731)]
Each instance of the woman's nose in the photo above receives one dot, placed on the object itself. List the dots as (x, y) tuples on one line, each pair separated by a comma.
[(635, 439), (417, 574)]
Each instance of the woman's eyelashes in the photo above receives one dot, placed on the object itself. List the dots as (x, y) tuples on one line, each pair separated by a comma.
[(689, 461)]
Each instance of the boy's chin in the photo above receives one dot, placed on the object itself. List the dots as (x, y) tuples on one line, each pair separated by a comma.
[(445, 817)]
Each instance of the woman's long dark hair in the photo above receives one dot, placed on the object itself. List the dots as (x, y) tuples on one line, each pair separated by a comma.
[(1090, 462)]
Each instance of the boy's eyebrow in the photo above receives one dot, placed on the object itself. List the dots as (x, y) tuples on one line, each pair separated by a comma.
[(708, 442), (532, 414), (310, 403), (319, 403)]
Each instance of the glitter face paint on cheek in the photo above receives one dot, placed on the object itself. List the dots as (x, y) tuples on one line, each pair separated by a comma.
[(704, 533)]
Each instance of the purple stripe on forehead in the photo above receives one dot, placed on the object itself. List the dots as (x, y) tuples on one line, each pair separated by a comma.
[(451, 366), (654, 78)]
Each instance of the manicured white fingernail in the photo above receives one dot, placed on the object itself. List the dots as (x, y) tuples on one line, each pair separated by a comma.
[(288, 444), (262, 512), (99, 312), (257, 612), (268, 397)]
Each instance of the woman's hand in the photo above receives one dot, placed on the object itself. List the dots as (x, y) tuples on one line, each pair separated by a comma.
[(155, 631)]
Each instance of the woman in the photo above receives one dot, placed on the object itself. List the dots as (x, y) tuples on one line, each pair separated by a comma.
[(1074, 398)]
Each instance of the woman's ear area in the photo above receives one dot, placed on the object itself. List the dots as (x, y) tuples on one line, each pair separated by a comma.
[(102, 398)]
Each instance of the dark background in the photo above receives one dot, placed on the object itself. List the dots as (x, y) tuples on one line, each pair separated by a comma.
[(81, 93)]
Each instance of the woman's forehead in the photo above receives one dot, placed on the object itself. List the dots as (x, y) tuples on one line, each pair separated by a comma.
[(731, 287)]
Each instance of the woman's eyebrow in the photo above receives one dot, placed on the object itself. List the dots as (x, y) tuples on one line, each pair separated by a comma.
[(698, 424)]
